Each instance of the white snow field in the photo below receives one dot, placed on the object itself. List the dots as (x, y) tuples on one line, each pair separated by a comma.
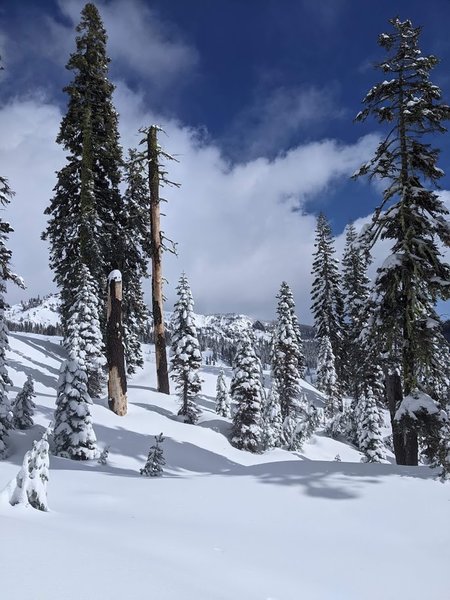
[(221, 524)]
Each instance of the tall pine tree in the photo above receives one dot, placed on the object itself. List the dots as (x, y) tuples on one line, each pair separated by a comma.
[(186, 356), (327, 302), (86, 214), (413, 217)]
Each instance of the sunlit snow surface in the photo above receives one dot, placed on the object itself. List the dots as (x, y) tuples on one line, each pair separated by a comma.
[(221, 524)]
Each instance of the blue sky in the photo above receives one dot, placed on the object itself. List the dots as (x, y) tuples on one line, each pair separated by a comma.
[(248, 90)]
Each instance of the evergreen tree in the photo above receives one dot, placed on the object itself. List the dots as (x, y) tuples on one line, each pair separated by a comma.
[(5, 275), (155, 461), (327, 302), (24, 406), (286, 352), (186, 356), (103, 458), (136, 241), (369, 436), (73, 434), (412, 216), (223, 406), (83, 335), (272, 420), (247, 392), (327, 379), (30, 484), (86, 220)]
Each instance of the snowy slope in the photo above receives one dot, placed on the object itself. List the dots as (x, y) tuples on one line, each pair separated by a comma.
[(221, 524), (46, 313)]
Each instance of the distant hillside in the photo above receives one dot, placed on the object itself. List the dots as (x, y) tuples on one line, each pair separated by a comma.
[(218, 332)]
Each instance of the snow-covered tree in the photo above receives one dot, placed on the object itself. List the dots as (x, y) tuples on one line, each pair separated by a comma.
[(136, 241), (286, 352), (73, 433), (29, 487), (370, 440), (5, 275), (272, 419), (86, 213), (103, 458), (246, 392), (186, 356), (23, 407), (155, 460), (412, 216), (327, 379), (223, 405), (327, 302), (83, 337)]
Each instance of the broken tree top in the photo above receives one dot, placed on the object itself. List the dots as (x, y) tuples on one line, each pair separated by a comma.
[(115, 275)]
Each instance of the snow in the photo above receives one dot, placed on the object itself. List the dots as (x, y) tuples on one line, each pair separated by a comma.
[(115, 275), (221, 524), (417, 402)]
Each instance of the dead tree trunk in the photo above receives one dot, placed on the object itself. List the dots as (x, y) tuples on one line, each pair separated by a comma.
[(157, 249), (117, 380)]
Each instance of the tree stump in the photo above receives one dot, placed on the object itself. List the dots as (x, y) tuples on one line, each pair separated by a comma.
[(117, 380)]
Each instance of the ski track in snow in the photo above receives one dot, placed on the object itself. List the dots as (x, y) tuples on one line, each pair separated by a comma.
[(221, 524)]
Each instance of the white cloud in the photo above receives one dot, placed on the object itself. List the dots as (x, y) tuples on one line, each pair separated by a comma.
[(276, 117), (138, 39), (240, 229)]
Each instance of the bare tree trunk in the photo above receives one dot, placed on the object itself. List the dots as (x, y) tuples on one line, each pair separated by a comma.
[(394, 396), (117, 380), (157, 295)]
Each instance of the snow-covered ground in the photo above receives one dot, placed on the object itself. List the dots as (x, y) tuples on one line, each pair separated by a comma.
[(221, 524)]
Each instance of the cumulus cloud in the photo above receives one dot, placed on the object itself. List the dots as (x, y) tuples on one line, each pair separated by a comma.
[(276, 117), (240, 228), (140, 42)]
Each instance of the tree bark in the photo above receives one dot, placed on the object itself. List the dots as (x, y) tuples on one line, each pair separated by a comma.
[(117, 380), (394, 396), (157, 295)]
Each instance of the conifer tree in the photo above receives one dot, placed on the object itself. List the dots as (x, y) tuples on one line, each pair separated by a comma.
[(103, 458), (186, 356), (327, 302), (286, 352), (412, 216), (73, 433), (83, 337), (29, 487), (223, 406), (5, 275), (136, 241), (23, 407), (327, 379), (155, 461), (369, 437), (247, 392), (272, 420), (86, 220)]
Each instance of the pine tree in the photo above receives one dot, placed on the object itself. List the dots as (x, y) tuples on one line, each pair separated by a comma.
[(5, 275), (327, 379), (369, 437), (327, 302), (29, 487), (286, 352), (412, 216), (86, 220), (186, 356), (155, 461), (103, 458), (83, 337), (223, 406), (247, 392), (136, 241), (272, 420), (23, 407), (73, 434)]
